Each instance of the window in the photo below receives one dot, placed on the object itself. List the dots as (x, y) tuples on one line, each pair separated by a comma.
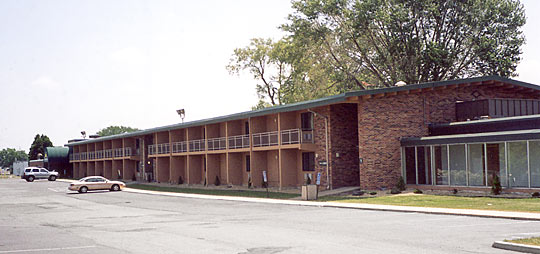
[(28, 170), (248, 163), (477, 163), (517, 164), (496, 163), (441, 165), (307, 121), (410, 166), (246, 126), (43, 170), (423, 157), (534, 161), (35, 170), (308, 161), (457, 165)]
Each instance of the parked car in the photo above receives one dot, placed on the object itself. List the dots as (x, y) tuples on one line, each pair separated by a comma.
[(32, 173), (96, 183)]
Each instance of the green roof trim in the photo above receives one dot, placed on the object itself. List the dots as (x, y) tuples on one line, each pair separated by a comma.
[(57, 152), (305, 105), (487, 137)]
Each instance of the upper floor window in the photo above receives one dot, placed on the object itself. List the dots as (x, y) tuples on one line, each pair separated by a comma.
[(307, 120)]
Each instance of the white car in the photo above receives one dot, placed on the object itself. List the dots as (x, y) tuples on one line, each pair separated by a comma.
[(31, 173), (96, 183)]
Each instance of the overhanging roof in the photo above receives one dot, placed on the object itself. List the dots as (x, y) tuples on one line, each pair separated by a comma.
[(312, 104), (486, 137)]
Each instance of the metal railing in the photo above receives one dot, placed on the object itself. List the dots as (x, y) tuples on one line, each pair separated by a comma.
[(108, 153), (179, 147), (99, 154), (76, 156), (163, 148), (217, 144), (91, 155), (240, 141), (83, 156), (127, 151), (265, 139), (296, 136), (152, 149), (196, 145), (118, 152)]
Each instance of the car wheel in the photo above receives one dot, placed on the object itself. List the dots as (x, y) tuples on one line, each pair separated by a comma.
[(52, 178), (83, 189), (115, 187), (30, 179)]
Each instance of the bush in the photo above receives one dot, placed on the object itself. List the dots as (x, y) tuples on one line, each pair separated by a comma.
[(455, 191), (358, 193), (395, 190), (400, 185), (536, 195), (217, 182), (180, 180), (373, 193), (417, 191), (496, 185)]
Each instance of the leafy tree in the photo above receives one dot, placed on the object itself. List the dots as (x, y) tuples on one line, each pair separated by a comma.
[(114, 130), (9, 155), (334, 46), (38, 146)]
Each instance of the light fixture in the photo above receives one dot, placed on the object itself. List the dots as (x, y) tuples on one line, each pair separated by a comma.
[(181, 113), (83, 133)]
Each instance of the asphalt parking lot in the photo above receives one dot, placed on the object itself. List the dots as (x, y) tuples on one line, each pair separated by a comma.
[(43, 217)]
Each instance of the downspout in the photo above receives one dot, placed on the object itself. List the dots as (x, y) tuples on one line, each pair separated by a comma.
[(328, 186)]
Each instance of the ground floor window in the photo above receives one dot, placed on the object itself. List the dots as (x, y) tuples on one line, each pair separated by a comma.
[(516, 163), (308, 161)]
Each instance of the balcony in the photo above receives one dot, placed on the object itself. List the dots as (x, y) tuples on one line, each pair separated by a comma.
[(99, 154), (164, 148), (265, 139), (118, 152), (296, 136), (84, 156), (241, 141), (108, 153), (196, 145), (179, 147), (217, 144), (127, 151)]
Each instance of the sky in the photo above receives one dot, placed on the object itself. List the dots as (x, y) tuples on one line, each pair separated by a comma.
[(72, 66)]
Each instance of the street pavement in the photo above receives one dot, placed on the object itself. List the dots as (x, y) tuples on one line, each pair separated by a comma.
[(43, 217)]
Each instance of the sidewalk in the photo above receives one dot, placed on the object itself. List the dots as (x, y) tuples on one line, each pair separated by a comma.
[(445, 211)]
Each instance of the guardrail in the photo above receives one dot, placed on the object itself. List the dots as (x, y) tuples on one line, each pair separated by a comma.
[(163, 148), (217, 144), (127, 151), (179, 147), (196, 145), (152, 149), (118, 152), (240, 141), (265, 139), (108, 153), (296, 136)]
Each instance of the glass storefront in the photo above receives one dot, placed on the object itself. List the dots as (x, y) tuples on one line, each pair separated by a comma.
[(516, 163)]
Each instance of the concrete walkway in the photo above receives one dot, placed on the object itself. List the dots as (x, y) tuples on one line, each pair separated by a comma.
[(447, 211)]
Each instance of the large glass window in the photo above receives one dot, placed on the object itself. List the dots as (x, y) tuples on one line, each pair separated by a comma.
[(534, 161), (496, 163), (477, 171), (457, 165), (423, 157), (517, 164), (410, 165), (441, 165)]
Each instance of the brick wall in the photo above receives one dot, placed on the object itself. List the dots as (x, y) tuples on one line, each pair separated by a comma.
[(344, 149), (382, 121)]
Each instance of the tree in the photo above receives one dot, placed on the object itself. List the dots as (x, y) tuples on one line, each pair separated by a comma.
[(38, 146), (386, 41), (114, 130), (9, 155)]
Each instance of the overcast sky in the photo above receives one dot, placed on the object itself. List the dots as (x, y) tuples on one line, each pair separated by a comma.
[(68, 66)]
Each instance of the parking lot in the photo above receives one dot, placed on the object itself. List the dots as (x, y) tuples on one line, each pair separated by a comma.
[(43, 217)]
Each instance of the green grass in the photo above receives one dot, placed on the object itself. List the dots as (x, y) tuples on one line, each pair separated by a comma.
[(236, 193), (528, 241), (482, 203)]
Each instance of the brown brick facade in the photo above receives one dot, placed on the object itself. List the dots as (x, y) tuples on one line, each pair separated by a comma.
[(383, 121)]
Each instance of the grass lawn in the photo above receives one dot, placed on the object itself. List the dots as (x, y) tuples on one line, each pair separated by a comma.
[(236, 193), (528, 241), (482, 203)]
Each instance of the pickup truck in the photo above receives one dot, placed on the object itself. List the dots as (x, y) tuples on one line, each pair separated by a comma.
[(32, 173)]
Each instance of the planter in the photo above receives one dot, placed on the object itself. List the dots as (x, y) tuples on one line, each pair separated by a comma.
[(310, 192)]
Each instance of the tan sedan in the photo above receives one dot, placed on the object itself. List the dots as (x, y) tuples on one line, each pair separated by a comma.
[(96, 183)]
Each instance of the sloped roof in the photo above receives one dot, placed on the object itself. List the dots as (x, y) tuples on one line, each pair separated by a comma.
[(314, 103)]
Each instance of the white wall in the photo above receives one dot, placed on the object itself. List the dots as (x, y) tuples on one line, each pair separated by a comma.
[(18, 167)]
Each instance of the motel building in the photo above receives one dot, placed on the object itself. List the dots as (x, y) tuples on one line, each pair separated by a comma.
[(453, 134)]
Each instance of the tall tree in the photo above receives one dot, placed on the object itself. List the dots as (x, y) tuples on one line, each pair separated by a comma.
[(10, 155), (38, 146), (114, 130)]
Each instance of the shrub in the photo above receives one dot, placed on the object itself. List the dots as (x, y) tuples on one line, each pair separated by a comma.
[(400, 185), (358, 193), (455, 191), (496, 185), (217, 182), (536, 195), (373, 193), (180, 180), (417, 191), (395, 190)]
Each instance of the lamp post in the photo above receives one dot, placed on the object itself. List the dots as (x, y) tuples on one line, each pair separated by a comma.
[(181, 113)]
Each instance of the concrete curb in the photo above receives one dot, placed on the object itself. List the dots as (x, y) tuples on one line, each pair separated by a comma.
[(391, 208), (516, 247)]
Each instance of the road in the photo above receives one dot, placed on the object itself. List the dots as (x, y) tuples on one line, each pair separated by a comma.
[(43, 217)]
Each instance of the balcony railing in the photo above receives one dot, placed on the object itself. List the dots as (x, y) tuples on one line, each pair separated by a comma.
[(76, 156), (108, 153), (265, 139), (196, 145), (163, 148), (91, 155), (99, 154), (217, 144), (152, 149), (84, 156), (241, 141), (179, 147), (118, 152), (296, 136), (127, 151)]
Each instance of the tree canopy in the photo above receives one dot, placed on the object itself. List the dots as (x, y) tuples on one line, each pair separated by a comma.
[(114, 130), (335, 46), (38, 146), (10, 155)]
